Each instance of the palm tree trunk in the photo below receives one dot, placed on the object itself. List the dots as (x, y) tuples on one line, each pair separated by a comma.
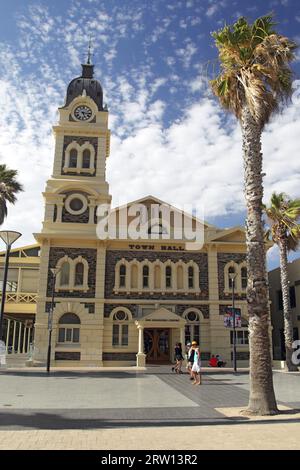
[(262, 397), (288, 322)]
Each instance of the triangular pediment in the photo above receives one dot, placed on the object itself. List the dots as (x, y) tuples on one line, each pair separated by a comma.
[(234, 234), (162, 314)]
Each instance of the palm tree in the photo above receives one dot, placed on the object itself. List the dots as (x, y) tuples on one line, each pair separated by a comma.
[(9, 187), (255, 78), (283, 215)]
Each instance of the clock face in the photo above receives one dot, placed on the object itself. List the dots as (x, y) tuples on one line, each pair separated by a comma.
[(83, 113)]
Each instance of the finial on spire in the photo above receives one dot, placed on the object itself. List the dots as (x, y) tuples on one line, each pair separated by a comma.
[(89, 51)]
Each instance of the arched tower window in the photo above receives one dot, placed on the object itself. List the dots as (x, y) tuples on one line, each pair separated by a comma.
[(65, 274), (86, 158), (73, 158), (79, 274)]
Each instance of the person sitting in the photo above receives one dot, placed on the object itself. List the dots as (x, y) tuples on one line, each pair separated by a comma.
[(219, 361), (213, 362)]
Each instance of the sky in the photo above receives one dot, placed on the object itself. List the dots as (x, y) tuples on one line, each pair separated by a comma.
[(154, 59)]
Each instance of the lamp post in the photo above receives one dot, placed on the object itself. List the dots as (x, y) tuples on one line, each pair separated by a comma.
[(9, 237), (232, 277), (54, 272)]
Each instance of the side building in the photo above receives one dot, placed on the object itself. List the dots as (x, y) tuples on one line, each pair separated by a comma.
[(277, 307)]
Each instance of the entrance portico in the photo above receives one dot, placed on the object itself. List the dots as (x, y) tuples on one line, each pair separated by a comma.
[(158, 333)]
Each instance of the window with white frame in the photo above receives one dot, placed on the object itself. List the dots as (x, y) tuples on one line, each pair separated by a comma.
[(191, 277), (168, 277), (122, 279), (192, 327), (120, 329), (68, 330), (145, 276), (244, 278), (79, 158), (72, 274), (65, 274)]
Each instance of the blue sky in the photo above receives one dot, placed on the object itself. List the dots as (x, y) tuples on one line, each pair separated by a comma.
[(153, 58)]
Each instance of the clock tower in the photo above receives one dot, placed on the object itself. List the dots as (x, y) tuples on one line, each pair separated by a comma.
[(68, 237)]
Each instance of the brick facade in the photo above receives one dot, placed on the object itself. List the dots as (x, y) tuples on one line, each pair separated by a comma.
[(112, 257), (80, 141), (87, 253), (223, 259)]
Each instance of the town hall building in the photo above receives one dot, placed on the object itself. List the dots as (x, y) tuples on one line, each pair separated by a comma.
[(117, 301)]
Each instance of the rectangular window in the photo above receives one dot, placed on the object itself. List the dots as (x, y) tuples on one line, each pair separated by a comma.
[(61, 335), (68, 335), (279, 300), (75, 335), (196, 333), (292, 297), (242, 337), (187, 334), (115, 338), (124, 335)]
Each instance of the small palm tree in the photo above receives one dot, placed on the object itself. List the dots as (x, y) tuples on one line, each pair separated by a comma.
[(9, 187), (283, 216), (255, 78)]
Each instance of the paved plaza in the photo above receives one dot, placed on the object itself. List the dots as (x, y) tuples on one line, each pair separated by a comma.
[(84, 409)]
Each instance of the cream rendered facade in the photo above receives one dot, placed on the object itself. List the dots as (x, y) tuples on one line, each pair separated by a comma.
[(119, 301)]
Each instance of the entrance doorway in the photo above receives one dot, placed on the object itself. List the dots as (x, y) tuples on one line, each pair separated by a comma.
[(157, 345)]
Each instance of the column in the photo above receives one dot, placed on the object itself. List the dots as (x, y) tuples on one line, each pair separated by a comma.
[(24, 339), (14, 337), (141, 357), (7, 334), (60, 206), (19, 339), (92, 206), (182, 337)]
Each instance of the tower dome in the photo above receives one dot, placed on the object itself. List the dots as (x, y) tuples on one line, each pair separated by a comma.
[(86, 82)]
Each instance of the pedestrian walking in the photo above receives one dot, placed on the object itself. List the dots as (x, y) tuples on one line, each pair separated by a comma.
[(178, 358)]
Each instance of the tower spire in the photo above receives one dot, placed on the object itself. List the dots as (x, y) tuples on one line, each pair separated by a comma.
[(89, 51)]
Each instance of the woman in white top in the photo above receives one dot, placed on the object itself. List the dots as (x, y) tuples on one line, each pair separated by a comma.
[(196, 368)]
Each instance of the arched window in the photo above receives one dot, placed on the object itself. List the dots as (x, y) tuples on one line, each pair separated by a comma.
[(192, 327), (73, 158), (86, 158), (168, 276), (145, 276), (244, 278), (231, 270), (191, 277), (67, 331), (120, 329), (79, 274), (65, 274), (122, 282)]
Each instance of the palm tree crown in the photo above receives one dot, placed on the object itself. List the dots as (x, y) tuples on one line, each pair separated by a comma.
[(9, 187), (283, 215), (255, 69)]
